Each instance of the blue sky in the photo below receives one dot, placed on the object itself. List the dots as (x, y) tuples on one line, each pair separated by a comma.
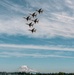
[(50, 49)]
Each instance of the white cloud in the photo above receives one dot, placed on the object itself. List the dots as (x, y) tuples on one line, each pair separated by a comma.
[(35, 55), (58, 47), (14, 27), (9, 5), (61, 24), (44, 28), (70, 3)]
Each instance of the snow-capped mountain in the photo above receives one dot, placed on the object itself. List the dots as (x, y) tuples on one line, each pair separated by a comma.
[(25, 68)]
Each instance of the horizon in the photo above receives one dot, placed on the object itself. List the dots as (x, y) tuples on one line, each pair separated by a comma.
[(50, 48)]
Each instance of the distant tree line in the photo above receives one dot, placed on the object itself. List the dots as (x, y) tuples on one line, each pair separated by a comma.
[(24, 73)]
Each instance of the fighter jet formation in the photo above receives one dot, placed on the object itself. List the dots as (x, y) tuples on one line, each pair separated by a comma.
[(33, 19)]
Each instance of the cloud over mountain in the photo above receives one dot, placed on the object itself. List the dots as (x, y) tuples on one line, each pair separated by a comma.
[(25, 68)]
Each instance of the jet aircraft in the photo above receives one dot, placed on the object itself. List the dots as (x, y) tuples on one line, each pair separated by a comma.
[(30, 24), (27, 18), (32, 30), (36, 20), (33, 14), (40, 10)]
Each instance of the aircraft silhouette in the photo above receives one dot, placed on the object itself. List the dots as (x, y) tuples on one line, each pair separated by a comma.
[(36, 20), (30, 24), (33, 14), (27, 18), (32, 30), (40, 10)]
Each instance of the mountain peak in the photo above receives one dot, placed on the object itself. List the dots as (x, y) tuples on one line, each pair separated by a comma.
[(25, 68)]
